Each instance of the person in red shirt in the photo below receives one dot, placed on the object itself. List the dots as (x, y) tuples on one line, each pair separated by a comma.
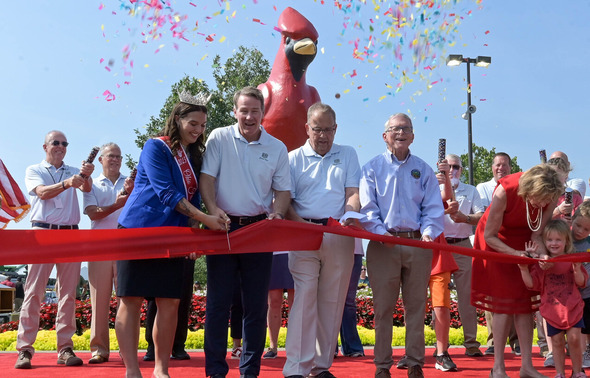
[(561, 302)]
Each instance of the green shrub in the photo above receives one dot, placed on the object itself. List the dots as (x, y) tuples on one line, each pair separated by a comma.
[(46, 340)]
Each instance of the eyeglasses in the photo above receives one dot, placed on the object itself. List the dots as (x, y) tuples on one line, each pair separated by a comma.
[(327, 131), (363, 268), (455, 166), (397, 129), (115, 157), (57, 142)]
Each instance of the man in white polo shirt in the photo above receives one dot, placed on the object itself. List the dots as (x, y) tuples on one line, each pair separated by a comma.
[(243, 167), (325, 179), (458, 229), (103, 204), (54, 205)]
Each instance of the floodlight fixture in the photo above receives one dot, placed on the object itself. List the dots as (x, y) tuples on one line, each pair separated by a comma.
[(454, 60)]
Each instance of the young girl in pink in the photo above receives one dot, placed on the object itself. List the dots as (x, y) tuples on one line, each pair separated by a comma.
[(561, 303)]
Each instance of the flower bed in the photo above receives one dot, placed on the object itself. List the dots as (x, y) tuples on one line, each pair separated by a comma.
[(364, 300)]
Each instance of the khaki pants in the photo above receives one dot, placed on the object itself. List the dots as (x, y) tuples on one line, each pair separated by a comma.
[(101, 275), (321, 282), (68, 277), (389, 268)]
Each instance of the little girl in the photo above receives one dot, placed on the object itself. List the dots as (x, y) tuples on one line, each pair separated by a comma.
[(561, 303)]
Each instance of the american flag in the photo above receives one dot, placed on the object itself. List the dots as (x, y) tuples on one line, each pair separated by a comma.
[(13, 204)]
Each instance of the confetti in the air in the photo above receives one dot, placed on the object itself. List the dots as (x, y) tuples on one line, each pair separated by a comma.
[(405, 40)]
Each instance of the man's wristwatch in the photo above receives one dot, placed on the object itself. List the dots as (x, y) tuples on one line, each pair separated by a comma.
[(468, 220)]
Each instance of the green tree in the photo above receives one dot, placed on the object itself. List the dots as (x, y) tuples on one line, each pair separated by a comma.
[(200, 274), (246, 66), (482, 163)]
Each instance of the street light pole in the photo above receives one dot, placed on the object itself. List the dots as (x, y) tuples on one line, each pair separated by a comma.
[(481, 61), (469, 124)]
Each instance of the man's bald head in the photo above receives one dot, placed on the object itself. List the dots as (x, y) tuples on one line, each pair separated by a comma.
[(561, 155)]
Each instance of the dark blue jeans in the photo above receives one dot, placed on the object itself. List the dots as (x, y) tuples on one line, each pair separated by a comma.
[(349, 336), (253, 271)]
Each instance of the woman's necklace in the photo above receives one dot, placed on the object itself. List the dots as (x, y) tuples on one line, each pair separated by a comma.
[(535, 224)]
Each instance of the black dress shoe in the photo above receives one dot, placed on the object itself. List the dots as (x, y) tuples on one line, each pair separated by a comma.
[(182, 355), (248, 376), (149, 357)]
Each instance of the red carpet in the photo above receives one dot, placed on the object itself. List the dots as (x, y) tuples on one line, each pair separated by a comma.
[(44, 365)]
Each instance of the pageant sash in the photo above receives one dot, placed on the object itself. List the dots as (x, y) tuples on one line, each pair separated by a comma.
[(188, 175)]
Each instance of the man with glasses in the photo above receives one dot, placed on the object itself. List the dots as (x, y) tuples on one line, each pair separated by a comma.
[(459, 223), (325, 178), (54, 205), (103, 204), (574, 183), (400, 196)]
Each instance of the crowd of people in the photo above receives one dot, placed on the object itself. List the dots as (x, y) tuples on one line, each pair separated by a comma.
[(533, 213)]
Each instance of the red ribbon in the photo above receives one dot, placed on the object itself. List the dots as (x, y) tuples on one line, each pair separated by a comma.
[(55, 246)]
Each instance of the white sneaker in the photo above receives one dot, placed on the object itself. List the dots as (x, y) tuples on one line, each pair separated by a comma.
[(586, 360), (549, 361)]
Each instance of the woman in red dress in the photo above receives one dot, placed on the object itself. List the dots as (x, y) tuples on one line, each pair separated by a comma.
[(521, 206)]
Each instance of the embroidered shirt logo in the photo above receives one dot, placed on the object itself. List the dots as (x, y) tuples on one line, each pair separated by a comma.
[(415, 173), (337, 162), (264, 156)]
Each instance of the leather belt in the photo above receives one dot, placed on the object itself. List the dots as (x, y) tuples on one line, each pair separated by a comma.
[(323, 221), (455, 240), (243, 221), (50, 226), (406, 234)]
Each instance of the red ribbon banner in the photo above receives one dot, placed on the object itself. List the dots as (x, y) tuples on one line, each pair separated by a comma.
[(56, 246)]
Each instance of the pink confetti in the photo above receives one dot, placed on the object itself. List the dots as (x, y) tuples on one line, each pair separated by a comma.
[(192, 4), (101, 60), (108, 95), (101, 6), (353, 73), (487, 32), (107, 68)]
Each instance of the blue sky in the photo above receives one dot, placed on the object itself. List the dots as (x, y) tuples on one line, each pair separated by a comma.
[(532, 96)]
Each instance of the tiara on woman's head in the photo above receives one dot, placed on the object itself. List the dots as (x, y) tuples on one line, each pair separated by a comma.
[(200, 98)]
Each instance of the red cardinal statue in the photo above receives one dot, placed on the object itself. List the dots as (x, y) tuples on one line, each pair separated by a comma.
[(286, 95)]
